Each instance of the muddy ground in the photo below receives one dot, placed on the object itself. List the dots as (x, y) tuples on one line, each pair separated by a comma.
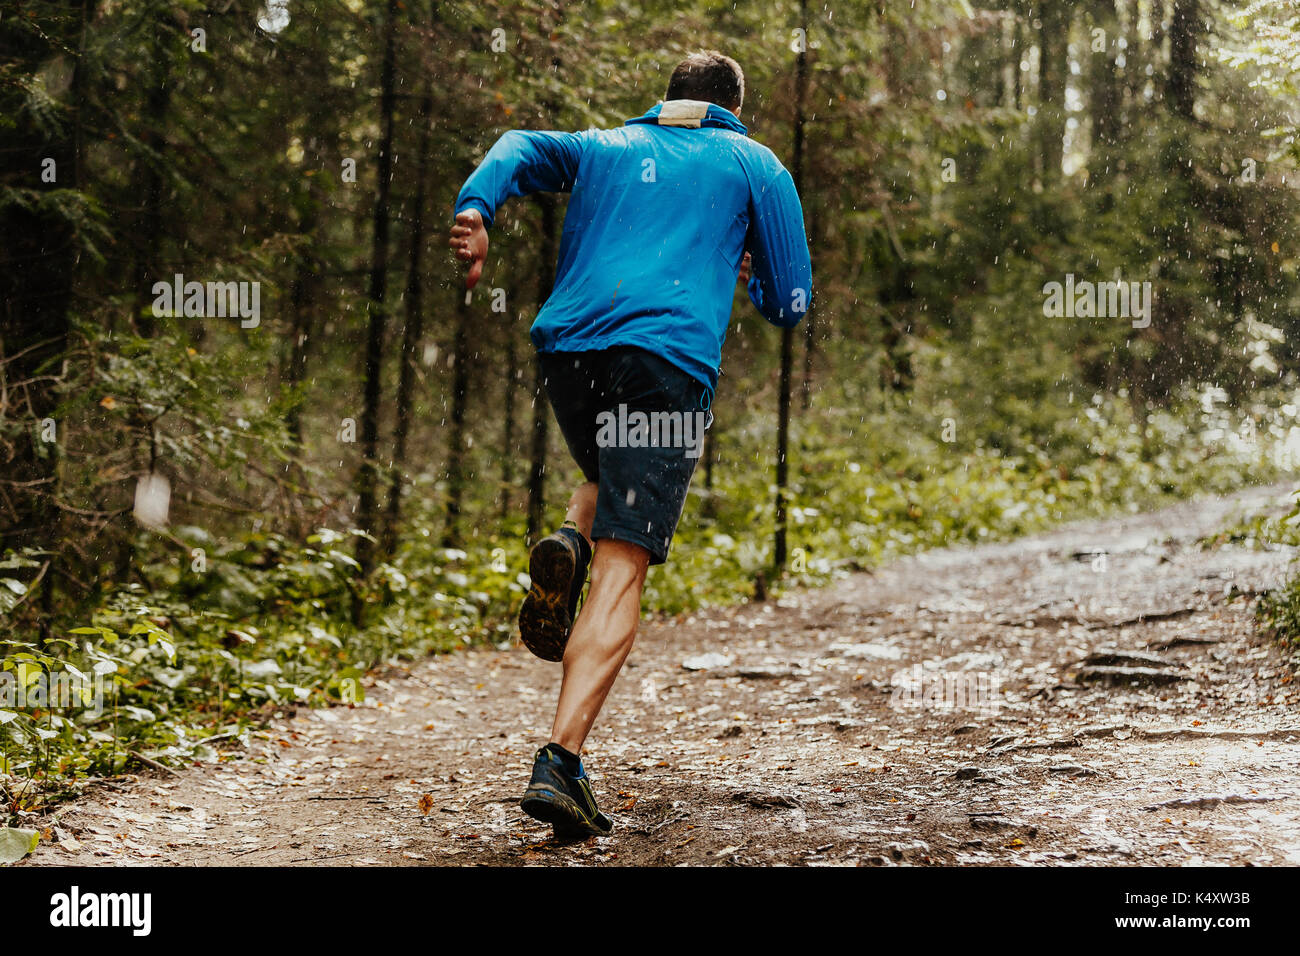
[(937, 711)]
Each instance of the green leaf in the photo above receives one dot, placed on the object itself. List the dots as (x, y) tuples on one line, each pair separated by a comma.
[(16, 844), (104, 632), (76, 672), (155, 632), (28, 674)]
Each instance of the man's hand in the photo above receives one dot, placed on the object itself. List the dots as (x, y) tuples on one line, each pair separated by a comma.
[(470, 240), (743, 278)]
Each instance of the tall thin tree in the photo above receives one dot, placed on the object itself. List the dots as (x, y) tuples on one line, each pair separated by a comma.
[(413, 325), (541, 417), (368, 475), (508, 391), (456, 439), (787, 335), (1053, 36)]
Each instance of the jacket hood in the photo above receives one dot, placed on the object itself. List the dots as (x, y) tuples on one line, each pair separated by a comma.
[(691, 114)]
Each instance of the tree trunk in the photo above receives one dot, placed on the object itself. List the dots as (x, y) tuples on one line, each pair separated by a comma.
[(413, 327), (367, 476), (787, 335), (800, 97), (1184, 33), (508, 449), (809, 341), (149, 190), (1018, 49), (782, 450), (456, 449), (305, 290), (710, 506), (541, 415), (1053, 34), (1103, 82), (38, 264), (301, 303)]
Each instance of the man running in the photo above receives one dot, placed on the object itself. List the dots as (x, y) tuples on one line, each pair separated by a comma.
[(664, 212)]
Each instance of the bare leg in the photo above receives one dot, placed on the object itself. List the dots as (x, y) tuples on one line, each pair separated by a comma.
[(582, 508), (601, 638)]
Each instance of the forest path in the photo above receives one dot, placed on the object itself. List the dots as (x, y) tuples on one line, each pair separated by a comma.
[(798, 750)]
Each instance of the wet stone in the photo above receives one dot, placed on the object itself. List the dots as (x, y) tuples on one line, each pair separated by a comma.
[(1117, 657), (1119, 676)]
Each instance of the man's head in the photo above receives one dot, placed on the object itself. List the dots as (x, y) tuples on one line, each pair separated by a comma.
[(709, 76)]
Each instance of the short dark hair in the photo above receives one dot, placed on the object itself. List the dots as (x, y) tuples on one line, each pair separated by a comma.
[(709, 76)]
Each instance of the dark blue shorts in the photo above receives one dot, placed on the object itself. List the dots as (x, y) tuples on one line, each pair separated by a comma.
[(634, 423)]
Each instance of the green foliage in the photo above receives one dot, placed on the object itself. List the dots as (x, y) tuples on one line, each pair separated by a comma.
[(891, 485), (1271, 45), (258, 626), (1278, 611), (945, 408)]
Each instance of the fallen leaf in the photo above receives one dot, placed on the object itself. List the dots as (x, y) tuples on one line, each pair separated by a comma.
[(16, 844)]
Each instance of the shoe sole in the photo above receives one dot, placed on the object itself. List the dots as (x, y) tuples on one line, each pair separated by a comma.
[(544, 621), (562, 812)]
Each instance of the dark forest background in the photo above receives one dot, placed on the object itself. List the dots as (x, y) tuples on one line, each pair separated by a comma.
[(354, 478)]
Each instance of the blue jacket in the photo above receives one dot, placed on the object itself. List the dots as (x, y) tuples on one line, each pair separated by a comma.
[(662, 211)]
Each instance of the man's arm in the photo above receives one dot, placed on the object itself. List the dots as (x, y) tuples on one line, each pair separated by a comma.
[(519, 163), (781, 282)]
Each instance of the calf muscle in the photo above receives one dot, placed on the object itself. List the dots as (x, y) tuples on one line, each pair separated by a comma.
[(601, 640)]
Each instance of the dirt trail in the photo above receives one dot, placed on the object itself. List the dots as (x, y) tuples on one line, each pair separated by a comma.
[(799, 749)]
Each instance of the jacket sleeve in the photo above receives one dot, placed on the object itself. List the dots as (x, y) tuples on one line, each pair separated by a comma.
[(780, 283), (519, 163)]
